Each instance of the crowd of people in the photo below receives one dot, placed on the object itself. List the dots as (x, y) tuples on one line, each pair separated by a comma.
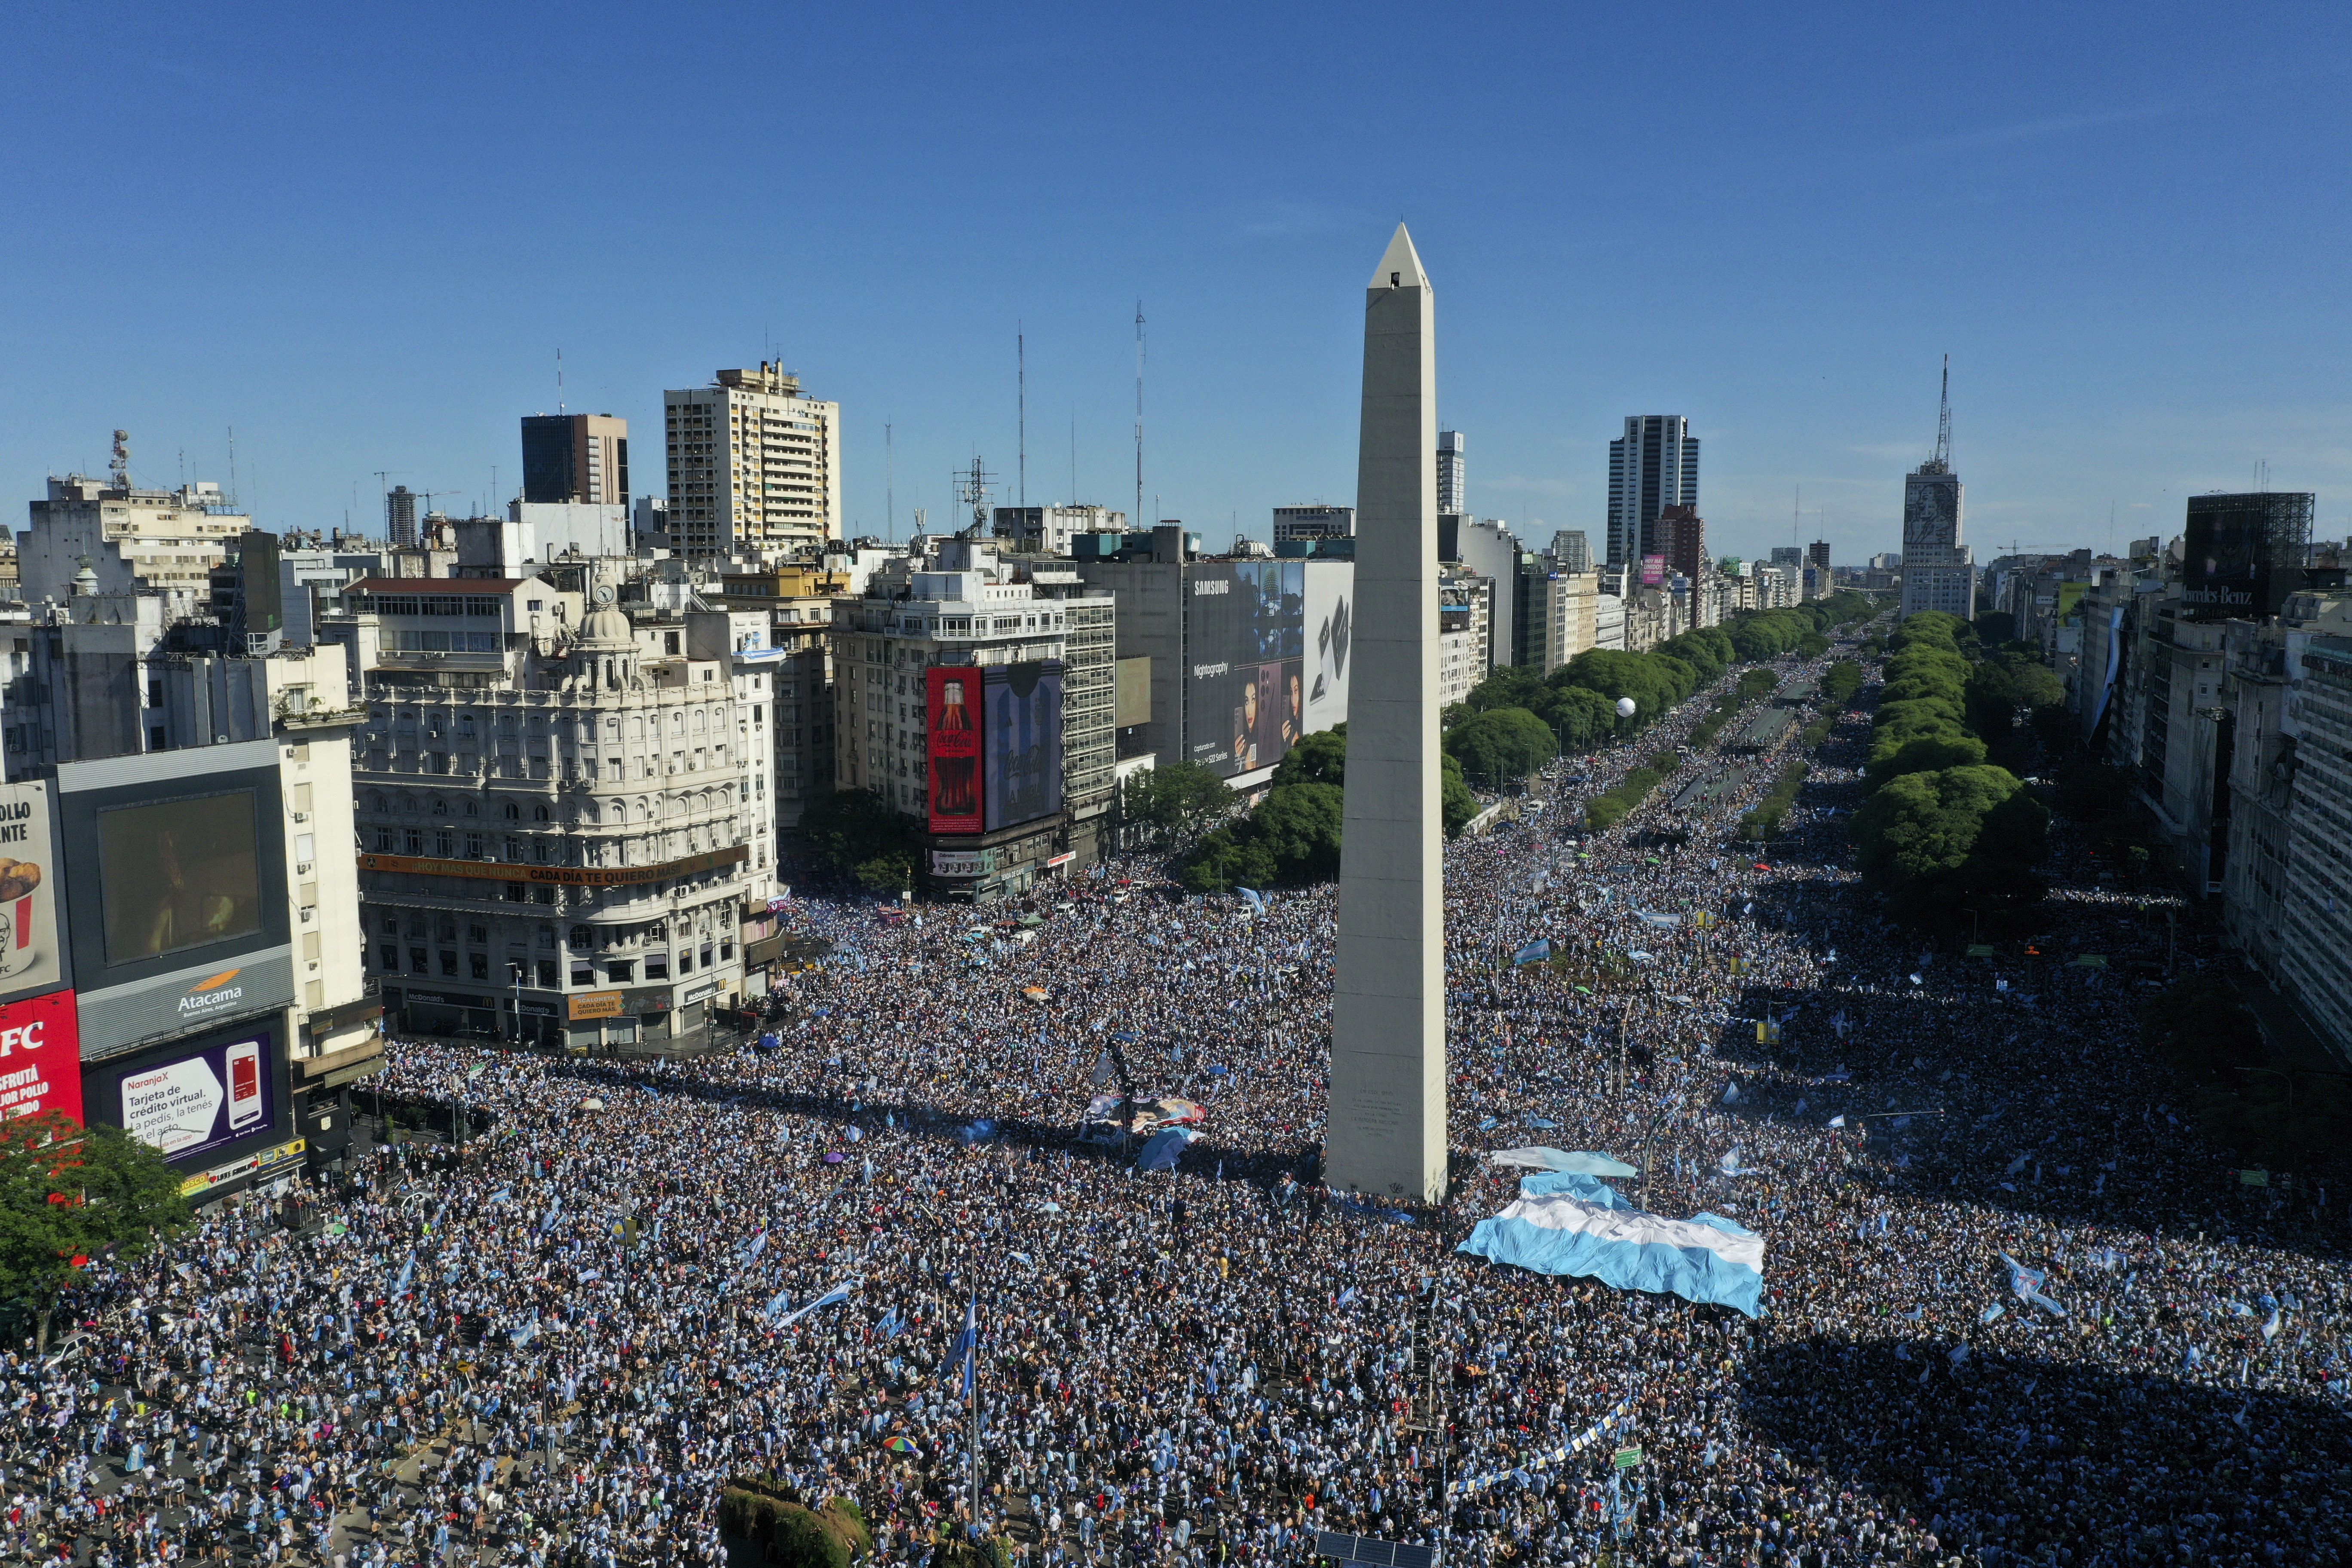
[(2015, 1309)]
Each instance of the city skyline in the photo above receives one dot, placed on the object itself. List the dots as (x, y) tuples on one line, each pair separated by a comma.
[(373, 284)]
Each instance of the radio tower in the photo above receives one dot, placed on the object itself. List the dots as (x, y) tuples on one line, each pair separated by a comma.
[(1941, 463), (1138, 416), (972, 490)]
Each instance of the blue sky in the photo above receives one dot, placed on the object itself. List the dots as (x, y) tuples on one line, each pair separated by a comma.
[(359, 235)]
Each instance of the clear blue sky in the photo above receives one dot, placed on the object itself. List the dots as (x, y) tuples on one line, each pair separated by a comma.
[(359, 235)]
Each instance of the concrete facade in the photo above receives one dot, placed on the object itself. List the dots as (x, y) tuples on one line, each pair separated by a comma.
[(1387, 1115)]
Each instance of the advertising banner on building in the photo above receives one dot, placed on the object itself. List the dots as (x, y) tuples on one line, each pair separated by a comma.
[(951, 725), (2244, 554), (1023, 741), (40, 1056), (191, 1102), (1244, 681), (1654, 571), (32, 948), (594, 1005), (1329, 628)]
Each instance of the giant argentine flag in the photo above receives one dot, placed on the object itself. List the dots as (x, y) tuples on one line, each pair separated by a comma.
[(1704, 1258)]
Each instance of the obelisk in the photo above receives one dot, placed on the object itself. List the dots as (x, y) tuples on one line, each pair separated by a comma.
[(1386, 1134)]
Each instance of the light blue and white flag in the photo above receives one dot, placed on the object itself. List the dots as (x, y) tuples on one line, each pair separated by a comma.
[(1536, 952), (1256, 900), (759, 1244), (1704, 1258), (967, 1343), (832, 1297), (406, 1269)]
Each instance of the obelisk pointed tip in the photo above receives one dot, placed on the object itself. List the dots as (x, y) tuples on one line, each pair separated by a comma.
[(1400, 264)]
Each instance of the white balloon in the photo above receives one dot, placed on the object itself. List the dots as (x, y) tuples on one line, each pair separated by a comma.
[(1625, 707)]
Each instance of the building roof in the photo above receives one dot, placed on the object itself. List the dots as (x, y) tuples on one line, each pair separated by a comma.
[(437, 585)]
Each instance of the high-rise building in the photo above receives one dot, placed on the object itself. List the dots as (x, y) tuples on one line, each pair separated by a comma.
[(400, 515), (1572, 550), (1680, 535), (1939, 572), (754, 466), (1817, 554), (575, 457), (1452, 475), (1653, 466)]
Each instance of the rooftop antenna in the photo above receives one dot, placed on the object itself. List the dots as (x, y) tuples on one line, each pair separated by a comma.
[(1021, 358), (889, 485), (559, 382), (1941, 463), (233, 499), (121, 466), (1074, 458), (972, 490), (1797, 521), (1139, 410)]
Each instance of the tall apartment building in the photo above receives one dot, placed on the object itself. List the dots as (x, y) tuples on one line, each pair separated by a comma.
[(1939, 569), (1464, 614), (1679, 534), (1452, 473), (1318, 522), (137, 541), (1047, 529), (1572, 550), (1655, 465), (400, 516), (1489, 549), (1015, 625), (2315, 960), (1817, 554), (575, 457), (555, 808), (754, 466)]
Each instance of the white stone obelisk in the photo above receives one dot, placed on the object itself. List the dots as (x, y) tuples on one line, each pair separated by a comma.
[(1386, 1134)]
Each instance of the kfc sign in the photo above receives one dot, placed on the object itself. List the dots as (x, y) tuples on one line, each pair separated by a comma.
[(40, 1056)]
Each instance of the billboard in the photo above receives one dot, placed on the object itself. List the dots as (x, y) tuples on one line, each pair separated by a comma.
[(40, 1056), (1245, 676), (1024, 740), (951, 743), (1329, 630), (175, 889), (32, 945), (193, 1099), (2244, 554), (179, 874), (1654, 571)]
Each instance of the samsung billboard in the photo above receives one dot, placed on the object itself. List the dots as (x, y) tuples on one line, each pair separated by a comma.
[(1245, 676), (175, 883)]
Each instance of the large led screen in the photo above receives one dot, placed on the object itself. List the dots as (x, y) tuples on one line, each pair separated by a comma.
[(195, 1103), (1244, 641), (178, 874), (1023, 742), (951, 722)]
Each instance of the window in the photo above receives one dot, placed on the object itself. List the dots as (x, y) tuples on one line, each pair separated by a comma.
[(473, 847), (420, 961), (414, 841), (450, 964), (445, 843), (657, 966), (581, 938), (583, 975), (481, 964), (619, 971), (478, 935), (511, 811), (547, 974), (389, 956), (384, 839)]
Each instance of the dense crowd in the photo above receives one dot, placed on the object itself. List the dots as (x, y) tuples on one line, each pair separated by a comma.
[(646, 1277)]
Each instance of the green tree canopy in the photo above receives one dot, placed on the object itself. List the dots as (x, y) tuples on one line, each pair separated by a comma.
[(1930, 840), (1179, 800), (68, 1193), (1320, 758), (1502, 743)]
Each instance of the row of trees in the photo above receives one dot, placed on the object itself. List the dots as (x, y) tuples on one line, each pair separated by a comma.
[(1947, 833), (1576, 704), (1293, 836)]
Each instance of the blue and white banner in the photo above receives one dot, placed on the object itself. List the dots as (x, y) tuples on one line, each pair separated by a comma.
[(832, 1297), (1534, 952), (1704, 1258), (1620, 1414)]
